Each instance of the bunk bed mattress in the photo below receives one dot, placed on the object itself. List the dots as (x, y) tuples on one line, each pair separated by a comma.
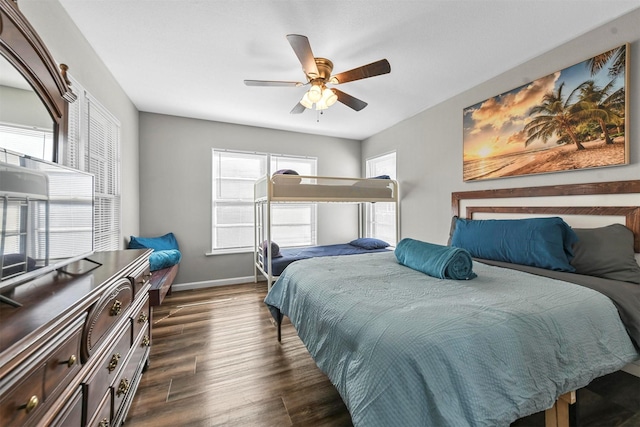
[(296, 254), (404, 348), (322, 192)]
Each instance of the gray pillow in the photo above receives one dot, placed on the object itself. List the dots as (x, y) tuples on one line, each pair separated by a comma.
[(606, 252)]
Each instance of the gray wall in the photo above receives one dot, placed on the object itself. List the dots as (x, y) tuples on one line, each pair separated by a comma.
[(67, 45), (429, 145), (175, 185), (23, 107)]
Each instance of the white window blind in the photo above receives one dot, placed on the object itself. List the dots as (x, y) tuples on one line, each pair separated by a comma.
[(33, 142), (380, 218), (234, 175), (93, 145)]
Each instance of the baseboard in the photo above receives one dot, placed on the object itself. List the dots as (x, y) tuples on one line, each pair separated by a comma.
[(177, 287), (633, 368)]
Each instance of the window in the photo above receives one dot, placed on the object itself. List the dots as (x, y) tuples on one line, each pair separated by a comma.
[(380, 218), (93, 146), (234, 175), (33, 142)]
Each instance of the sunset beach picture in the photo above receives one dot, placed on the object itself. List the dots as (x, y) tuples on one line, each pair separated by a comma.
[(572, 119)]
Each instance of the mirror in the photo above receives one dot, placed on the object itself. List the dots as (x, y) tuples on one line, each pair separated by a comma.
[(27, 56), (25, 124)]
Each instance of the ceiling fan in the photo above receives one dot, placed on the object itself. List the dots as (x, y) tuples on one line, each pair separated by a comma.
[(318, 74)]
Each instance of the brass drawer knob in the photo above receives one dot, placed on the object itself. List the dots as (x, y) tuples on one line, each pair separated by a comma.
[(143, 317), (71, 361), (104, 423), (116, 308), (31, 404), (123, 387), (146, 341), (114, 362)]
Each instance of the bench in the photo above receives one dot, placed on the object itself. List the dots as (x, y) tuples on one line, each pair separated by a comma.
[(161, 281)]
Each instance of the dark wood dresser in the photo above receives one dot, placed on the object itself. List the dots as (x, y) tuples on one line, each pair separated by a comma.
[(74, 353)]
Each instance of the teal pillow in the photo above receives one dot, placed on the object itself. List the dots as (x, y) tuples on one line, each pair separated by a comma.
[(161, 243), (160, 259), (538, 242)]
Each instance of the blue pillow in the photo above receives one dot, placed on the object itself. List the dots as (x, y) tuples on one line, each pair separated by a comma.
[(369, 243), (160, 259), (161, 243), (538, 242)]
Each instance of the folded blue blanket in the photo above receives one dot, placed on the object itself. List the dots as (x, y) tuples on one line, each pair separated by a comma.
[(443, 262), (164, 258)]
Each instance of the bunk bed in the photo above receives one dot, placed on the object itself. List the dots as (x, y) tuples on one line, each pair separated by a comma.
[(293, 188)]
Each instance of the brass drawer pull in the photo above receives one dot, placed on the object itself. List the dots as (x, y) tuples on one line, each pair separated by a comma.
[(143, 317), (116, 308), (123, 387), (72, 361), (30, 405), (104, 423), (146, 341), (114, 362)]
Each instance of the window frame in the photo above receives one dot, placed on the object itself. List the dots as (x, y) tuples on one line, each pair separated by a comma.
[(369, 221), (270, 159), (80, 153)]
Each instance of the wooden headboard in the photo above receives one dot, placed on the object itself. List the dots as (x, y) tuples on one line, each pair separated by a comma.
[(630, 213)]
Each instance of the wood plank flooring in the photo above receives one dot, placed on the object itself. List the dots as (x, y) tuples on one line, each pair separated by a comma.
[(215, 361)]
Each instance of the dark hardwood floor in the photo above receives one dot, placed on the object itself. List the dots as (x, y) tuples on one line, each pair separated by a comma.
[(215, 361)]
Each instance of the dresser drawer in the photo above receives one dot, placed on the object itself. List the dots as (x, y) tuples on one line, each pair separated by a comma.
[(108, 371), (129, 378), (71, 414), (102, 417), (20, 401), (139, 278), (63, 364), (111, 307), (141, 317)]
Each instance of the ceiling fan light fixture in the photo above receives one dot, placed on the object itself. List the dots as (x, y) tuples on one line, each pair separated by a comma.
[(315, 93), (305, 101), (329, 97), (321, 105)]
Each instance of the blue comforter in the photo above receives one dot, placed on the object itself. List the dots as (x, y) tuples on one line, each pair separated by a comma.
[(290, 255), (407, 349)]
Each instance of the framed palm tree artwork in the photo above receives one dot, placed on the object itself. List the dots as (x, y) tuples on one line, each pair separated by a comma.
[(572, 119)]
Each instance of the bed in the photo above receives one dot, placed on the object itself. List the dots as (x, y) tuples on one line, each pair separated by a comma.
[(289, 187), (404, 348)]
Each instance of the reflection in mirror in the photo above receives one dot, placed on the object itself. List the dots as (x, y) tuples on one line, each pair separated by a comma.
[(25, 124)]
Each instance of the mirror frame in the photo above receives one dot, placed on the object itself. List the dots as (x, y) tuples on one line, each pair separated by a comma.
[(23, 48)]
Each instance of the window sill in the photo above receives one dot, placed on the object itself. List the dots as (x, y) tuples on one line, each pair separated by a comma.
[(229, 251)]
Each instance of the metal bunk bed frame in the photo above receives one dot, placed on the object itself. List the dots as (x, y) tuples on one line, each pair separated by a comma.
[(352, 190)]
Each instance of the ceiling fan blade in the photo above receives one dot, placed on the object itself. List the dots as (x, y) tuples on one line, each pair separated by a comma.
[(302, 48), (299, 108), (349, 100), (370, 70), (272, 83)]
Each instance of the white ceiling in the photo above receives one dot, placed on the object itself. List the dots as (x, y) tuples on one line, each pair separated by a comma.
[(190, 57)]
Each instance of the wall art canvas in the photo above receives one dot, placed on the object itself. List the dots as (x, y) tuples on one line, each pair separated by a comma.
[(576, 118)]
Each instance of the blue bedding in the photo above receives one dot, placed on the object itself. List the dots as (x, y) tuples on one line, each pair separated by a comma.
[(295, 254), (443, 262), (407, 349)]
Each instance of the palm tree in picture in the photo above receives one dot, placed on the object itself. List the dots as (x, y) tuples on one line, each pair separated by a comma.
[(617, 67), (604, 105), (554, 115)]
